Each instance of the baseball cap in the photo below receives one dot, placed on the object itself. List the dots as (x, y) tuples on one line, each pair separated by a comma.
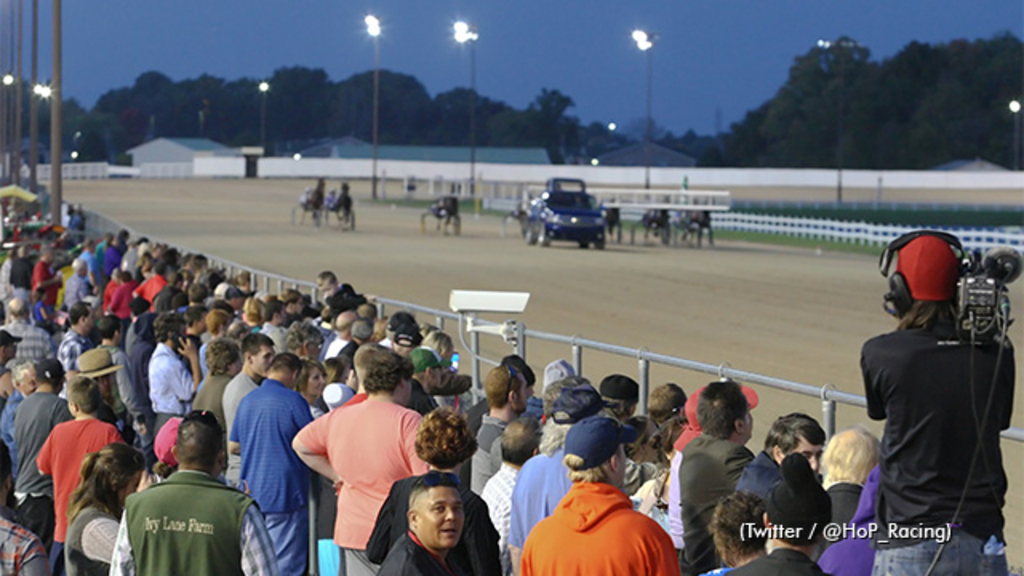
[(557, 370), (97, 362), (408, 335), (399, 318), (166, 438), (596, 439), (575, 404), (225, 291), (692, 428), (930, 268), (337, 394), (50, 370), (425, 358), (6, 338)]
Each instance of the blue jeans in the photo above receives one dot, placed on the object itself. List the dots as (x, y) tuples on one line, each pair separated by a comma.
[(963, 554), (290, 533)]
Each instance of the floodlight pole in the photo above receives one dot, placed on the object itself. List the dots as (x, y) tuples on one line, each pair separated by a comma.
[(56, 121), (33, 103)]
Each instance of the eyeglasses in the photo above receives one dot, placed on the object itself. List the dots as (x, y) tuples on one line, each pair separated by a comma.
[(436, 478), (511, 378)]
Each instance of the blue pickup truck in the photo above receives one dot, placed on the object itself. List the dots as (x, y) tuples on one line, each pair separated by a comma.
[(565, 212)]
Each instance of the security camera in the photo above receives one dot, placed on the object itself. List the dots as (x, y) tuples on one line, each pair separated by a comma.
[(475, 301)]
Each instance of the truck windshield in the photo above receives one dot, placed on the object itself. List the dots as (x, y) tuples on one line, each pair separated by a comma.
[(572, 200)]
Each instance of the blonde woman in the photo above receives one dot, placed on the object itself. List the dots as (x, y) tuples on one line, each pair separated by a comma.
[(849, 458)]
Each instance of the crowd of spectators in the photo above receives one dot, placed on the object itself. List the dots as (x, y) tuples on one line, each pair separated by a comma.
[(160, 417)]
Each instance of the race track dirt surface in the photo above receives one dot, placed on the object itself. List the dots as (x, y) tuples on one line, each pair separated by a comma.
[(794, 314)]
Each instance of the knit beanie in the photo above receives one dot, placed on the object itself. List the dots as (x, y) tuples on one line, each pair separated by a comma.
[(799, 504)]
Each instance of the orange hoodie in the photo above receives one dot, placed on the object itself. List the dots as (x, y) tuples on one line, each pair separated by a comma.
[(594, 531)]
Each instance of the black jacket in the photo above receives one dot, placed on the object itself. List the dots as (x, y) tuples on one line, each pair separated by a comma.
[(477, 552), (781, 562), (407, 558)]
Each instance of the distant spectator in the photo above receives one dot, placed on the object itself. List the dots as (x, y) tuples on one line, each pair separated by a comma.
[(151, 287), (225, 359), (855, 556), (621, 393), (594, 529), (274, 325), (36, 343), (21, 552), (44, 278), (216, 325), (108, 476), (171, 386), (120, 300), (257, 354), (736, 544), (304, 340), (77, 286), (443, 441), (436, 520), (799, 509), (62, 453), (667, 401), (24, 374), (342, 333), (364, 448), (850, 456), (796, 432), (519, 442), (37, 416), (507, 393), (310, 385), (543, 481), (76, 339), (711, 466), (235, 539), (426, 376), (21, 275), (267, 421), (407, 338)]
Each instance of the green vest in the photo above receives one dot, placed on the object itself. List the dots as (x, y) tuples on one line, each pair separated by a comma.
[(191, 524)]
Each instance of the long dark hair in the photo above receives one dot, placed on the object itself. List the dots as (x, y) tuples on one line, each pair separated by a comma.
[(105, 475)]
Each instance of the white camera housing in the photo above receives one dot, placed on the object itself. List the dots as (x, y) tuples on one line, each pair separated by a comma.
[(477, 301)]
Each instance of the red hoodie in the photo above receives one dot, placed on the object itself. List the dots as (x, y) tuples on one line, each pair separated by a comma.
[(594, 530)]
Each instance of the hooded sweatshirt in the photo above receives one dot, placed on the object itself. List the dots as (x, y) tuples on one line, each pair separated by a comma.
[(854, 556), (594, 530)]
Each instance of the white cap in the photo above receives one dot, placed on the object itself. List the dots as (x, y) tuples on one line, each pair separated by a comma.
[(557, 370), (336, 395)]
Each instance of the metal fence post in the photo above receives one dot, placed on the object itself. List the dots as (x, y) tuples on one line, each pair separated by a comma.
[(440, 322), (828, 411), (474, 345), (577, 357), (266, 284), (645, 381), (521, 340)]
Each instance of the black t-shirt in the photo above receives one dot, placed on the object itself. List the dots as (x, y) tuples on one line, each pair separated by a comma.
[(922, 384), (21, 274)]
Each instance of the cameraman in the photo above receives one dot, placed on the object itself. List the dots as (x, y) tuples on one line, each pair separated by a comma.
[(941, 464)]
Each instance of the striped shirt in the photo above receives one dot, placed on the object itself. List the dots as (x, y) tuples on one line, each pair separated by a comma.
[(73, 346), (258, 555), (497, 493), (36, 343), (21, 552)]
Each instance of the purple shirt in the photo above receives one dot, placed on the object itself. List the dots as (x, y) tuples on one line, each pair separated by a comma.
[(111, 260)]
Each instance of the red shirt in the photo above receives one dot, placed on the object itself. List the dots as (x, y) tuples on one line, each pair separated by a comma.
[(150, 288), (61, 457), (120, 298), (41, 273)]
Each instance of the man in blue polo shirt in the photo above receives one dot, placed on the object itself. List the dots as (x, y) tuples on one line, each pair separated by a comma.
[(267, 421)]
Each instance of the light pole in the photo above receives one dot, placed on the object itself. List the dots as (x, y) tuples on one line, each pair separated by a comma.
[(843, 43), (264, 88), (645, 41), (56, 121), (466, 33), (1015, 109), (5, 101), (33, 102), (373, 29)]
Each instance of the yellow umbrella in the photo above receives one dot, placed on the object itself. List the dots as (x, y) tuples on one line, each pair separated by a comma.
[(15, 191)]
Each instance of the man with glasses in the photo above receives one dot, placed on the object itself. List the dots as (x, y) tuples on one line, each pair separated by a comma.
[(190, 523), (507, 393)]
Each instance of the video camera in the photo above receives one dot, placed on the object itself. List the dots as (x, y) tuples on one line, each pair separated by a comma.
[(983, 304)]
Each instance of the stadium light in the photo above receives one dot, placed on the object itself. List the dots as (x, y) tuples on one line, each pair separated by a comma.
[(264, 87), (42, 90), (466, 33), (645, 41), (612, 126), (843, 44), (8, 79), (1015, 109)]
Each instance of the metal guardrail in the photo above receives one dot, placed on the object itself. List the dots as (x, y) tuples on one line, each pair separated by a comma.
[(827, 393)]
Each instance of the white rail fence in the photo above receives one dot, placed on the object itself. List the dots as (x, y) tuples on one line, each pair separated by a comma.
[(857, 232)]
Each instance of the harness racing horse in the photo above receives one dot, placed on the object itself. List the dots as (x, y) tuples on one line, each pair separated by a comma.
[(657, 221), (694, 222), (613, 218), (312, 200), (341, 207), (446, 211)]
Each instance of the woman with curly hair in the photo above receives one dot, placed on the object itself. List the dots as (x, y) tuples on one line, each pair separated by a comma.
[(94, 511), (444, 442)]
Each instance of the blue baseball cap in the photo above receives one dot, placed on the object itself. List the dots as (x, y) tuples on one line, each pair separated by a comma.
[(595, 440), (575, 404)]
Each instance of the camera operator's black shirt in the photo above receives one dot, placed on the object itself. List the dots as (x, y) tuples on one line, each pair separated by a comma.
[(921, 383)]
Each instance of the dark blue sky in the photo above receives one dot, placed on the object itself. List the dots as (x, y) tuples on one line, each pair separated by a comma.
[(727, 55)]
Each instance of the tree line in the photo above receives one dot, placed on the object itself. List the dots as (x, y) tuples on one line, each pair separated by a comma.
[(924, 106)]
